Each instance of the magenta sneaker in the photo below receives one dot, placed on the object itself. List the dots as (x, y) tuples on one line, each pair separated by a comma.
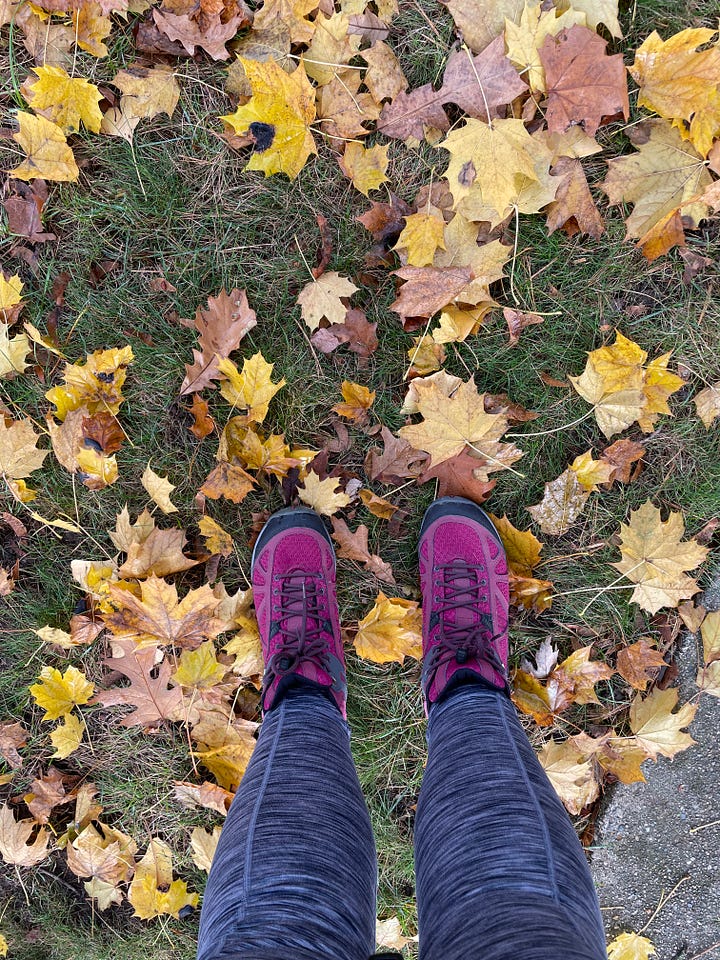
[(464, 582), (293, 578)]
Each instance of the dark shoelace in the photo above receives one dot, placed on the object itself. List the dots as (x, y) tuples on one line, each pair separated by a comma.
[(295, 598), (461, 642)]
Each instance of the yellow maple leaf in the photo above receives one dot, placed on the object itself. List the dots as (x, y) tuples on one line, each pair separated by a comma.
[(96, 384), (57, 693), (622, 390), (522, 550), (224, 748), (630, 946), (48, 154), (323, 495), (496, 159), (358, 400), (322, 299), (159, 488), (656, 727), (67, 736), (91, 29), (563, 501), (524, 39), (217, 539), (597, 12), (147, 92), (203, 845), (13, 351), (422, 236), (199, 668), (591, 472), (331, 47), (486, 260), (365, 166), (291, 14), (153, 891), (252, 389), (570, 773), (10, 292), (656, 558), (158, 617), (450, 423), (664, 180), (15, 835), (67, 101), (707, 403), (390, 631), (678, 79), (278, 116)]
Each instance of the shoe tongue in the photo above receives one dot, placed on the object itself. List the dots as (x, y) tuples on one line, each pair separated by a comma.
[(294, 624), (465, 591)]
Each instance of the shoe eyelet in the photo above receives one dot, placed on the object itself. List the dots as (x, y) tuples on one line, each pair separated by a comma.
[(276, 591)]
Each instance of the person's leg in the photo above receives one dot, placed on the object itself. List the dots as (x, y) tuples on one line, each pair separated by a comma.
[(295, 873), (500, 872)]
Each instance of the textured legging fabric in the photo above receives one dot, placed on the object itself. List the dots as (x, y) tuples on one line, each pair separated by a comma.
[(500, 872)]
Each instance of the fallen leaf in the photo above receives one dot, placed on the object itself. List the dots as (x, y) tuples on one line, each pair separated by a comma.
[(65, 100), (158, 617), (656, 558), (358, 400), (710, 631), (397, 462), (147, 92), (321, 299), (67, 736), (450, 424), (663, 179), (19, 455), (656, 727), (355, 331), (428, 289), (57, 693), (153, 892), (159, 489), (378, 506), (46, 793), (15, 847), (573, 209), (517, 321), (630, 946), (229, 481), (217, 540), (199, 669), (210, 33), (573, 680), (251, 389), (203, 424), (389, 935), (456, 477), (354, 546), (203, 845), (522, 550), (584, 84), (480, 21), (390, 631), (207, 795), (158, 554), (225, 749), (384, 77), (322, 495), (707, 403), (13, 736), (97, 384), (365, 166), (639, 663), (48, 153), (221, 326), (524, 39), (278, 116), (678, 80), (13, 351), (148, 692), (570, 774), (621, 456)]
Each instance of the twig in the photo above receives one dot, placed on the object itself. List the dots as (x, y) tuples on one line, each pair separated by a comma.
[(703, 826), (663, 900)]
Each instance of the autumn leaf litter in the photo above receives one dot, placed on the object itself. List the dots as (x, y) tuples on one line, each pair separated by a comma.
[(163, 639)]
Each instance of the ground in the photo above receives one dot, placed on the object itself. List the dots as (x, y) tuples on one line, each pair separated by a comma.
[(180, 205)]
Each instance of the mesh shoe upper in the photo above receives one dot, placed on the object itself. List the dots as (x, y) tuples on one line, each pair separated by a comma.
[(463, 575), (293, 577)]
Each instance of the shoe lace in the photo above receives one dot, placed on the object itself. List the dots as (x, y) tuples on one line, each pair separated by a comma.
[(463, 642), (298, 599)]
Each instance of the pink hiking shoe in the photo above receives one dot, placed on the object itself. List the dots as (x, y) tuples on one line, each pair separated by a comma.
[(293, 578), (464, 582)]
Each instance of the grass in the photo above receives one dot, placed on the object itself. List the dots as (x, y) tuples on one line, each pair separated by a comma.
[(180, 205)]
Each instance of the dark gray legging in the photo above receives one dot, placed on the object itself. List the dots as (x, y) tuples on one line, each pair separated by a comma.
[(500, 872)]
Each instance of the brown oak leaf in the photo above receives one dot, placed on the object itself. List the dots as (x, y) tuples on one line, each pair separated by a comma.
[(354, 546), (397, 462), (221, 326)]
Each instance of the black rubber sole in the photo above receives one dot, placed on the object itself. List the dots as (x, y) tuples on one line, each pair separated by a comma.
[(457, 506), (285, 519)]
